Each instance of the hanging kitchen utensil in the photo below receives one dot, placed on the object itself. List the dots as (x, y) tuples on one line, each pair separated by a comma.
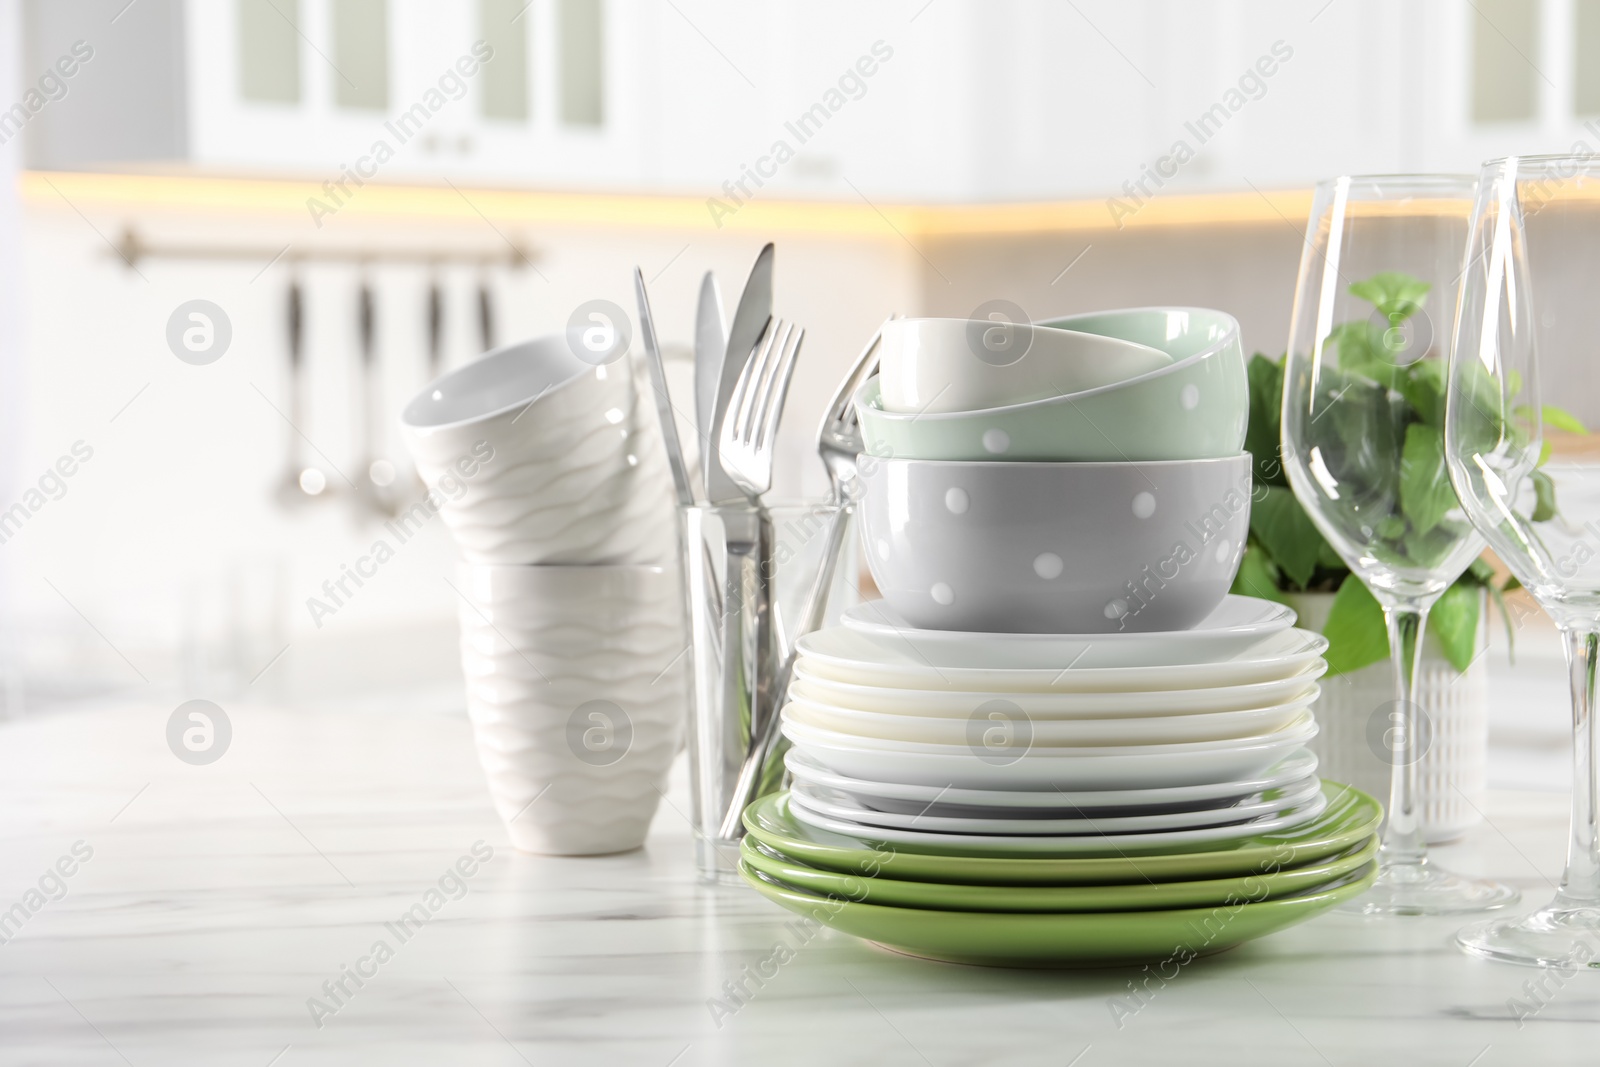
[(375, 475), (301, 482), (486, 331), (435, 328)]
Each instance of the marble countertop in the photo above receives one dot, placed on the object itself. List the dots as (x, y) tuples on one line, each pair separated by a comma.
[(206, 906)]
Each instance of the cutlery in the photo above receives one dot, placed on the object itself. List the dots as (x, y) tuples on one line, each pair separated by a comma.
[(485, 316), (710, 342), (744, 616), (435, 328), (375, 474), (750, 322), (658, 383), (838, 444), (755, 408), (751, 425), (301, 483)]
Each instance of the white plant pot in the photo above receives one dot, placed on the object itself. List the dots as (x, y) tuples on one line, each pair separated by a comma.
[(1454, 771)]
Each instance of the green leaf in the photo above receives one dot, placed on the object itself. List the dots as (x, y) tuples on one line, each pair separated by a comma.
[(1544, 497), (1454, 623), (1499, 599), (1432, 548), (1478, 572), (1258, 576), (1287, 533), (1397, 296), (1391, 527), (1425, 490), (1563, 420), (1328, 558), (1423, 386), (1362, 352), (1266, 415), (1355, 629), (1544, 453)]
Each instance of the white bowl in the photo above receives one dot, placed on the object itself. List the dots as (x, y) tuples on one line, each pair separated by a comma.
[(941, 365), (1046, 733), (1055, 548), (536, 457), (911, 799), (1236, 624), (946, 702), (838, 654), (1194, 408)]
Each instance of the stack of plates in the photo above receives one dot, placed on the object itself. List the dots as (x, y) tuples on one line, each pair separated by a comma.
[(967, 797)]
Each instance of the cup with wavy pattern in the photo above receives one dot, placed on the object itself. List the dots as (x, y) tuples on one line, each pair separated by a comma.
[(577, 688), (534, 456)]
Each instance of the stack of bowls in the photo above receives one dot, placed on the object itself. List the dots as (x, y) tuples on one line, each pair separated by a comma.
[(1118, 507), (547, 468), (1057, 739)]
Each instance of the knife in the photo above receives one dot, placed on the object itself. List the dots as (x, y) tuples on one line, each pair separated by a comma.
[(710, 342), (658, 385), (749, 323)]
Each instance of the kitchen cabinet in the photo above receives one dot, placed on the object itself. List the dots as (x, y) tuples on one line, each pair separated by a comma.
[(911, 102)]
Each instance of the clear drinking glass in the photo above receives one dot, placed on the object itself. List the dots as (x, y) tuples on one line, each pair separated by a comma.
[(733, 673), (1524, 334), (1363, 426)]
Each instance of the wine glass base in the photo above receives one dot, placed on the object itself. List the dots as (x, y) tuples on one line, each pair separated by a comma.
[(1423, 889), (1564, 938)]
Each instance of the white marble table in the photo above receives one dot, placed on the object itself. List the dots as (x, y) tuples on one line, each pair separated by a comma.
[(219, 899)]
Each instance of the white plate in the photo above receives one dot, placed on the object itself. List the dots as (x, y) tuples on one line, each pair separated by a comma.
[(836, 804), (844, 656), (911, 798), (1055, 705), (1062, 845), (1008, 739), (1236, 624), (1142, 767), (959, 729)]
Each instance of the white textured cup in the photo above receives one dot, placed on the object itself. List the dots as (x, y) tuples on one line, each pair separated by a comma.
[(534, 456), (577, 687)]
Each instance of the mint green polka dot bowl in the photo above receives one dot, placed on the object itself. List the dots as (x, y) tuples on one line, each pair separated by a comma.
[(1197, 408)]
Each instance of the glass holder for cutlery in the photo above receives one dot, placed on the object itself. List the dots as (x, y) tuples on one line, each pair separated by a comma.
[(747, 580)]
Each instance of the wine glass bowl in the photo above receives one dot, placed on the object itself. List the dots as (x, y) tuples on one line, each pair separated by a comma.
[(1526, 321), (1363, 451)]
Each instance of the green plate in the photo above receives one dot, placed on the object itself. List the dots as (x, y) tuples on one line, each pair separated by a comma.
[(1350, 818), (1043, 940), (1139, 896)]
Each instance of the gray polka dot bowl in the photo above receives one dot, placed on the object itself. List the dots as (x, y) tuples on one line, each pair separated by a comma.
[(1195, 408), (1055, 547)]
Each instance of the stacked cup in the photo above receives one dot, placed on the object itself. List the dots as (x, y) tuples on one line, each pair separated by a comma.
[(544, 461)]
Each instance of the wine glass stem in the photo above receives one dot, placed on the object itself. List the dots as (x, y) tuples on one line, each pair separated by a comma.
[(1403, 842), (1580, 886)]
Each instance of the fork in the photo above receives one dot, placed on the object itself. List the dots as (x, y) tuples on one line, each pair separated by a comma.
[(838, 444), (755, 408), (745, 448)]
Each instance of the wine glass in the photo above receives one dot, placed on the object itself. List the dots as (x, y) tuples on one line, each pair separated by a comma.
[(1363, 432), (1526, 318)]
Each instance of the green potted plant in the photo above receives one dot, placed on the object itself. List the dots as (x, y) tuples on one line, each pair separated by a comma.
[(1288, 560)]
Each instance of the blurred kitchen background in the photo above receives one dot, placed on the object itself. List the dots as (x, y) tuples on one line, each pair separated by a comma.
[(923, 156)]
